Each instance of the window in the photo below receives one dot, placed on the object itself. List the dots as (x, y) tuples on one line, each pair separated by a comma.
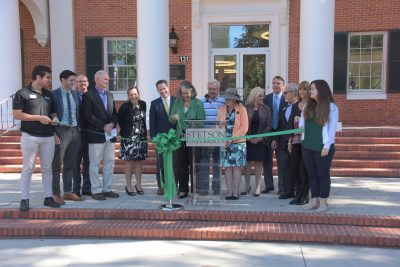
[(366, 64), (120, 62), (240, 36)]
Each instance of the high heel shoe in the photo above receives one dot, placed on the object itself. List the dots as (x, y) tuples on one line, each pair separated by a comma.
[(140, 192), (246, 192), (256, 195), (129, 193)]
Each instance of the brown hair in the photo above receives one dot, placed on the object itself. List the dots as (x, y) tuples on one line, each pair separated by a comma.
[(306, 86), (321, 107)]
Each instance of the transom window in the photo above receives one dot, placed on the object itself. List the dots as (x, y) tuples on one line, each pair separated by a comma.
[(240, 36), (366, 64), (120, 62)]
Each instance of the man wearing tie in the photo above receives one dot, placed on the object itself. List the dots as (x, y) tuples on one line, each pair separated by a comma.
[(276, 103), (81, 85), (67, 107), (159, 123), (286, 122), (100, 119)]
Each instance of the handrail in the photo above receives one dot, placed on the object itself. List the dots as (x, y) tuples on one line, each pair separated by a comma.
[(7, 121)]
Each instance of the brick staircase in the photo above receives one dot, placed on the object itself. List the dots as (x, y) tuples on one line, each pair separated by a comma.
[(373, 152), (202, 225)]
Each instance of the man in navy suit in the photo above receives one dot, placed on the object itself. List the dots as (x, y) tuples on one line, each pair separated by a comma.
[(276, 102), (159, 123), (100, 119), (67, 109)]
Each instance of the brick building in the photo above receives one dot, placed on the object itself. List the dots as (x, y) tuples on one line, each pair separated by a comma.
[(354, 45)]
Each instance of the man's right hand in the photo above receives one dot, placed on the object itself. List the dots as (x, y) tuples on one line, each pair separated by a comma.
[(44, 120)]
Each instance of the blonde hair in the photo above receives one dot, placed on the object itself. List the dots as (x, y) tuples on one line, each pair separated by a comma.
[(253, 95)]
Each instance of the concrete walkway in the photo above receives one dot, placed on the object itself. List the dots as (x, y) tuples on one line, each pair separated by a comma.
[(369, 196), (77, 252)]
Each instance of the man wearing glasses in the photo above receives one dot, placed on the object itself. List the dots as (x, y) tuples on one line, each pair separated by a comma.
[(276, 102), (81, 86)]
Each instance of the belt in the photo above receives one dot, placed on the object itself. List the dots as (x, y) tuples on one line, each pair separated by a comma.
[(67, 126)]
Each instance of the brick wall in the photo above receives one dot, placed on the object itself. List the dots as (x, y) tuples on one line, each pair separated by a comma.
[(34, 54), (354, 16), (180, 16)]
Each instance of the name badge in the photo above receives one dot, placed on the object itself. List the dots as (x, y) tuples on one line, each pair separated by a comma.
[(32, 96)]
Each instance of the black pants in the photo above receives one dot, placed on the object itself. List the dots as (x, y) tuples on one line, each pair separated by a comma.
[(299, 174), (318, 169), (183, 161), (284, 169), (84, 179)]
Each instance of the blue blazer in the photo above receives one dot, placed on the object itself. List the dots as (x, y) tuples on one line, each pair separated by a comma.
[(59, 103), (159, 119), (268, 101)]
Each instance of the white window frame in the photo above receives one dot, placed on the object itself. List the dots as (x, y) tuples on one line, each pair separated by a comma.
[(118, 95), (360, 94)]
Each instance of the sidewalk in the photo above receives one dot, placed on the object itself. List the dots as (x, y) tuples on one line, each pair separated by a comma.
[(358, 196)]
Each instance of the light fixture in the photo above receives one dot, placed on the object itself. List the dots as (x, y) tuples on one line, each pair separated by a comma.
[(173, 40), (224, 63)]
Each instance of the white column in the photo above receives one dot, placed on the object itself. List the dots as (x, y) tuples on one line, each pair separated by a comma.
[(62, 38), (10, 49), (317, 25), (152, 46)]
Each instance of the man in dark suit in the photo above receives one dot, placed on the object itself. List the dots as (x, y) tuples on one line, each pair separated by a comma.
[(159, 122), (100, 119), (82, 182), (276, 103), (67, 109), (286, 122)]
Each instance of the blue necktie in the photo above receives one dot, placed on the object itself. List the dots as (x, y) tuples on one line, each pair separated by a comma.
[(69, 109), (275, 112), (288, 111)]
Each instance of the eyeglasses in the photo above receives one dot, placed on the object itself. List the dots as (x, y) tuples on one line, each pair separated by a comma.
[(276, 83), (82, 81), (287, 92)]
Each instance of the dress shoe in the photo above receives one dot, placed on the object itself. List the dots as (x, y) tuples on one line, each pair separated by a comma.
[(285, 196), (235, 198), (294, 201), (256, 195), (129, 193), (246, 192), (323, 205), (111, 194), (314, 204), (58, 199), (183, 195), (72, 196), (228, 197), (98, 196), (302, 201), (140, 192), (87, 193), (24, 205), (49, 202), (160, 191), (268, 189)]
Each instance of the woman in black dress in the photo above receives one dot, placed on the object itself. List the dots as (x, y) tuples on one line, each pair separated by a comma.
[(132, 120), (259, 122)]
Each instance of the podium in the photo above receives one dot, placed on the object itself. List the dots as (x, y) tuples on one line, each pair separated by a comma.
[(205, 138)]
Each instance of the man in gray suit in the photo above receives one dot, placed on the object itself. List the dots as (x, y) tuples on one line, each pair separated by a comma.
[(67, 107)]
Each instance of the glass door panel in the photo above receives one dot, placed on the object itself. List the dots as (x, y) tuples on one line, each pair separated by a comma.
[(225, 71), (253, 72)]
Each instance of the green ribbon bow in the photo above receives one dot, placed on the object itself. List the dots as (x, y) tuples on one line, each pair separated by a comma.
[(166, 143)]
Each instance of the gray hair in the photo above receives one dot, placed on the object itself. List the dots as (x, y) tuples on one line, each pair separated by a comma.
[(292, 87), (99, 73), (186, 85), (216, 82)]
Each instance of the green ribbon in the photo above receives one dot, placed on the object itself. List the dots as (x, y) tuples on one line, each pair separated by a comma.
[(165, 144)]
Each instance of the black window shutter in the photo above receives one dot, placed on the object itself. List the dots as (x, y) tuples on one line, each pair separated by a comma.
[(94, 57), (393, 77), (340, 63)]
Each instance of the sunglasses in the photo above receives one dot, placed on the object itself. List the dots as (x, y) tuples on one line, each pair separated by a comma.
[(287, 92)]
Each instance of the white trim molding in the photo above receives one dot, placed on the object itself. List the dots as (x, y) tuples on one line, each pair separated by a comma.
[(39, 11), (208, 12)]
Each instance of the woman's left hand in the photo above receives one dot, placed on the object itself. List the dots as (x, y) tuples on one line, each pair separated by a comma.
[(324, 152)]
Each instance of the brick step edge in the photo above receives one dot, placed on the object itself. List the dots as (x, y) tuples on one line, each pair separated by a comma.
[(203, 230), (215, 216)]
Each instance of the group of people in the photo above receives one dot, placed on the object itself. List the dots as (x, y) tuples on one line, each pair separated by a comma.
[(72, 125)]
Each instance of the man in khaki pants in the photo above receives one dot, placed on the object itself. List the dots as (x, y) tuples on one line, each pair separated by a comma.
[(34, 107)]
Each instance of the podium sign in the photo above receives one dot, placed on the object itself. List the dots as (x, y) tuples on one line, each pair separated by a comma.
[(205, 137)]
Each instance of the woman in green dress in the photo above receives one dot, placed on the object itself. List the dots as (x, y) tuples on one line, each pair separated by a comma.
[(187, 107)]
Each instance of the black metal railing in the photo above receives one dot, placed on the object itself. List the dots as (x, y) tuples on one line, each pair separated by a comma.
[(7, 121)]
